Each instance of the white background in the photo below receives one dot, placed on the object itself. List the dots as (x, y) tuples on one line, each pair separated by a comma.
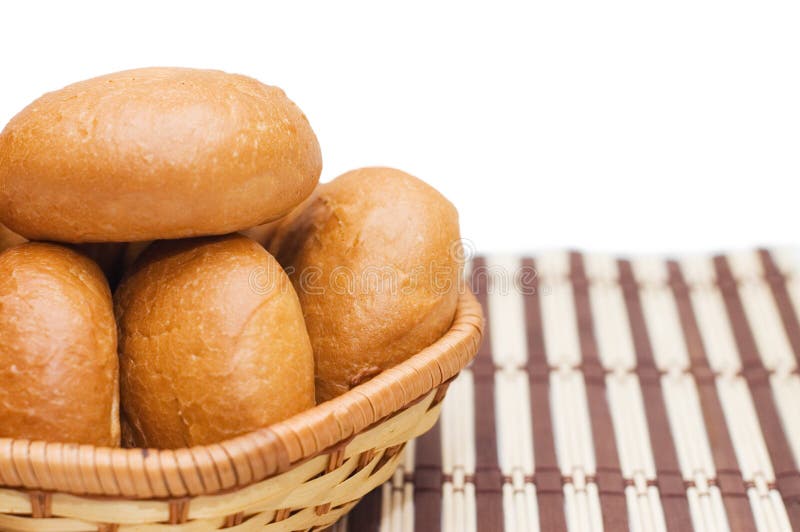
[(632, 127)]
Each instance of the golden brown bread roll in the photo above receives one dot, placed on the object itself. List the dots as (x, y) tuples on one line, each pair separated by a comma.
[(58, 348), (375, 258), (212, 343), (155, 153), (9, 238)]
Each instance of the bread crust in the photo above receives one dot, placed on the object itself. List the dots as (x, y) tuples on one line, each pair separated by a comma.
[(58, 348), (375, 257), (155, 153), (212, 343)]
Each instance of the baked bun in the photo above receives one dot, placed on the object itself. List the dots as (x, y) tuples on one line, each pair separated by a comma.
[(9, 238), (58, 348), (212, 343), (155, 153), (375, 258)]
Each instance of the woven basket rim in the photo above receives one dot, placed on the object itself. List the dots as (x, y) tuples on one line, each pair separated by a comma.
[(84, 469)]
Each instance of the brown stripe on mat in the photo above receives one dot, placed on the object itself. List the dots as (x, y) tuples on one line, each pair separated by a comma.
[(428, 481), (547, 474), (488, 476), (366, 515), (777, 284), (729, 477), (787, 477), (610, 485), (669, 479)]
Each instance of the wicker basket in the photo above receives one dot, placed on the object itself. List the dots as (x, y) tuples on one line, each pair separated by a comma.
[(303, 473)]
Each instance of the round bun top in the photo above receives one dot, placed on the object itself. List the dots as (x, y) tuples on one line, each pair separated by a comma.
[(155, 153), (212, 343), (59, 376), (375, 256)]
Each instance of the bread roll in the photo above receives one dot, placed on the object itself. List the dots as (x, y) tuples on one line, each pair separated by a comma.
[(212, 343), (155, 153), (375, 258), (58, 348), (9, 238)]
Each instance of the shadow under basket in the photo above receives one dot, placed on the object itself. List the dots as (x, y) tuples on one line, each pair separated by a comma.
[(303, 473)]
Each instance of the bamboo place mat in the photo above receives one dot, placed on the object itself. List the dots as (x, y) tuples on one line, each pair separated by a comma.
[(615, 395)]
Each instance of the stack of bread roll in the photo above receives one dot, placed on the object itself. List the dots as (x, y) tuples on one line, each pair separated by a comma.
[(243, 291)]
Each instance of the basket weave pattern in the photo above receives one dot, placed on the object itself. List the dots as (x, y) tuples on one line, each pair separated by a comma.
[(300, 474)]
